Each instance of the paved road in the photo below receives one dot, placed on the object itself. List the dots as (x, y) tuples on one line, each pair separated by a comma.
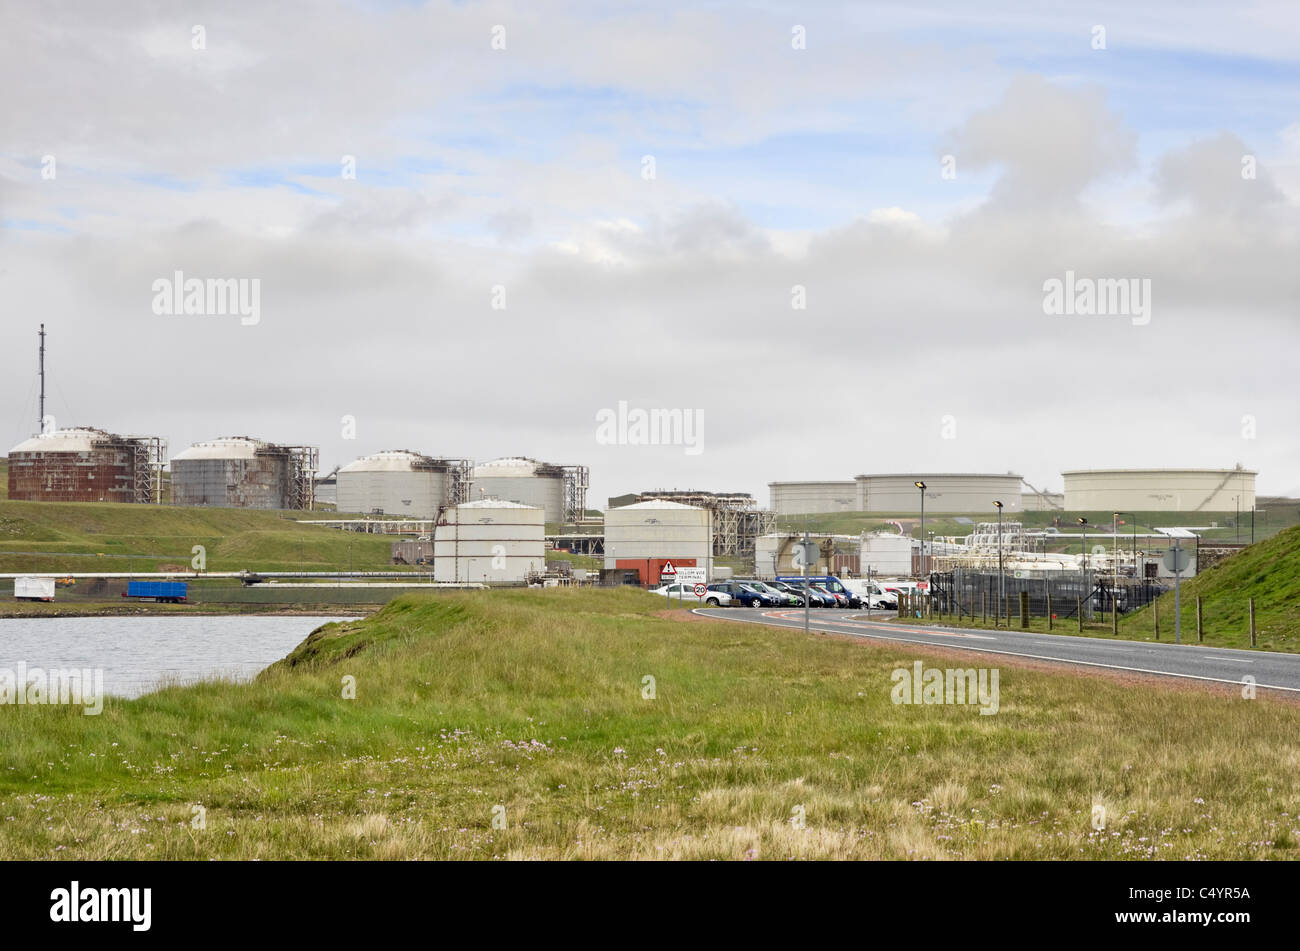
[(1219, 664)]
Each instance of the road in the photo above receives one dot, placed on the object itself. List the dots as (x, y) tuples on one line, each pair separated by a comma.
[(1271, 670)]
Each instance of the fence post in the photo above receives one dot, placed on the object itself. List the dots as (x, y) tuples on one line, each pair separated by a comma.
[(1200, 631), (1252, 622), (1155, 613), (1024, 609), (1078, 604), (984, 603), (1049, 608), (1114, 614)]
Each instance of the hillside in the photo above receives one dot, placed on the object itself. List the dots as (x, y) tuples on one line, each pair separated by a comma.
[(1268, 571), (531, 708), (105, 536)]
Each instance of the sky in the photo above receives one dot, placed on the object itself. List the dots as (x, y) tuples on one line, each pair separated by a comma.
[(824, 233)]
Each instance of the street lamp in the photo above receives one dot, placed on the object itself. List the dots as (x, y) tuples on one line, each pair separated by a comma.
[(1002, 594), (925, 565), (1084, 523)]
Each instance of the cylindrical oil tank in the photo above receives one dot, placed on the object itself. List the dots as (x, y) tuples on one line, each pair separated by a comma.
[(521, 480), (76, 465), (393, 482), (1160, 490), (804, 498), (231, 472), (960, 493), (659, 529), (489, 541)]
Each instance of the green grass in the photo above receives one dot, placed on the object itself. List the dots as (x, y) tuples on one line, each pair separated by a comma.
[(105, 536), (531, 702)]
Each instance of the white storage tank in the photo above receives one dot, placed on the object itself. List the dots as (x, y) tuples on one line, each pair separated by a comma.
[(491, 541), (958, 493), (393, 482), (886, 555), (657, 530), (522, 480), (805, 498), (1160, 490)]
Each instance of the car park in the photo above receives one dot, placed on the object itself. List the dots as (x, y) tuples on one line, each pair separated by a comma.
[(742, 595), (831, 585), (686, 594), (781, 598)]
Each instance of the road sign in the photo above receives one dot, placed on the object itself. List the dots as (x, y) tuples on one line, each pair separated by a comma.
[(667, 570), (699, 590), (691, 575), (1177, 559), (804, 554)]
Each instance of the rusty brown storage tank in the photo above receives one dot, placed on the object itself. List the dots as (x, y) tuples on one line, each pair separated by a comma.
[(81, 465), (240, 472)]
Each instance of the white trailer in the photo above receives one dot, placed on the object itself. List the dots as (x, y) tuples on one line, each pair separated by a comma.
[(33, 589)]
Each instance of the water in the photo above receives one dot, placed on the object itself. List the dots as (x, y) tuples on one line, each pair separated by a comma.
[(138, 654)]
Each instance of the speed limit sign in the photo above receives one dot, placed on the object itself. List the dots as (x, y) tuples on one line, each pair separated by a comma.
[(699, 590)]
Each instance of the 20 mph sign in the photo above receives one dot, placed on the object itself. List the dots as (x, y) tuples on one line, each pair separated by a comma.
[(699, 590)]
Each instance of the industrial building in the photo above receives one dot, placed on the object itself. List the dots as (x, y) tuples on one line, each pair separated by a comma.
[(239, 472), (491, 541), (737, 519), (837, 555), (641, 536), (950, 492), (812, 498), (401, 482), (1160, 490), (560, 491), (87, 465)]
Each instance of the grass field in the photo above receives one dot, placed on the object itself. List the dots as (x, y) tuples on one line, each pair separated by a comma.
[(87, 536), (529, 708)]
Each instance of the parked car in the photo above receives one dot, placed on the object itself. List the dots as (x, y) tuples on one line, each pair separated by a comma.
[(742, 595), (838, 600), (832, 585), (816, 599), (781, 598), (873, 595), (686, 594)]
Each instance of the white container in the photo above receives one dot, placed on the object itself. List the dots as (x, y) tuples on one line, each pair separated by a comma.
[(33, 589), (491, 542)]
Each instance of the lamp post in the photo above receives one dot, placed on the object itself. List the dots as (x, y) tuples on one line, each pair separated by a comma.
[(1083, 522), (1236, 519), (1001, 586), (925, 564)]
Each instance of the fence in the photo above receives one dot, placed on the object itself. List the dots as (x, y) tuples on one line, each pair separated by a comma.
[(985, 594)]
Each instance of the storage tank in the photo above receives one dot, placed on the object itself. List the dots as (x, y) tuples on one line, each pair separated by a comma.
[(950, 492), (805, 498), (240, 472), (83, 465), (656, 530), (490, 541), (394, 482), (522, 480), (1160, 490)]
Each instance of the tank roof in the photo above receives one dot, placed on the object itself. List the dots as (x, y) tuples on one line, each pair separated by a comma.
[(76, 439), (225, 447)]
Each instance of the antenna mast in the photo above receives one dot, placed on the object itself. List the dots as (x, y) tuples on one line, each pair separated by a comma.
[(40, 421)]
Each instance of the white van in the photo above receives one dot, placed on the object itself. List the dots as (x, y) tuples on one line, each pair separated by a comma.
[(873, 595)]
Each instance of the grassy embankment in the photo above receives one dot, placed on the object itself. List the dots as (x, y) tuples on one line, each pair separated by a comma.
[(1268, 571), (533, 701), (106, 536)]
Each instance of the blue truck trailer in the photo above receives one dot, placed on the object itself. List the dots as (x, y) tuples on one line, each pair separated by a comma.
[(172, 592)]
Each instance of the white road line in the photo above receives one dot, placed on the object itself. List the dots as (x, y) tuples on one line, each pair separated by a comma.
[(1047, 657)]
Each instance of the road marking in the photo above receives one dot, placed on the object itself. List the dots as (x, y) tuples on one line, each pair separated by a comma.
[(1010, 653)]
